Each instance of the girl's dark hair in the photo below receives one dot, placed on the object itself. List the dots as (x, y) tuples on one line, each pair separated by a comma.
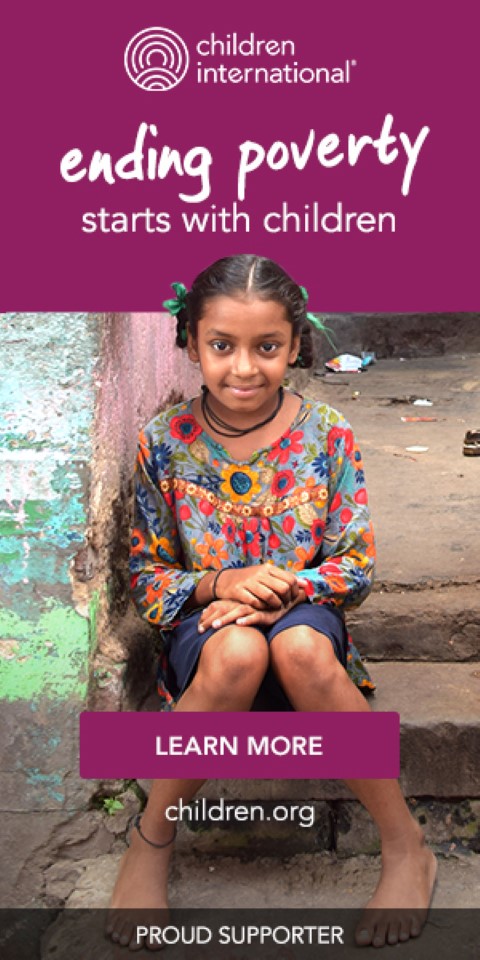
[(246, 275)]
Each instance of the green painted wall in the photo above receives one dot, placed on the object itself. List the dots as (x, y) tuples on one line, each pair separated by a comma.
[(47, 396)]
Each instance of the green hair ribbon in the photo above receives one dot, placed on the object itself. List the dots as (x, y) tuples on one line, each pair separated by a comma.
[(175, 306), (316, 322)]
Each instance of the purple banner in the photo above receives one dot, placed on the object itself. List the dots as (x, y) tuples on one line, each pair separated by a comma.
[(240, 745), (144, 141)]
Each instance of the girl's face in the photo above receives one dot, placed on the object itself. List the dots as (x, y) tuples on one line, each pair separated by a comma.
[(243, 347)]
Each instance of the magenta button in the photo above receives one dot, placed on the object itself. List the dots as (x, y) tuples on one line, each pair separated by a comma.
[(240, 745)]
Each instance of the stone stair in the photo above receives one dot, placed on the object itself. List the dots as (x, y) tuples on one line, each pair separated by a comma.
[(420, 634), (439, 624), (439, 706), (420, 629)]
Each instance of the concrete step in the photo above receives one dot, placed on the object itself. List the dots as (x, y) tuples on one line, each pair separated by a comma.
[(441, 624), (305, 826), (439, 706), (309, 880), (237, 896)]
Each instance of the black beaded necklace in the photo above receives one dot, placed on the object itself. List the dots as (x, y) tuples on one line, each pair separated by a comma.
[(227, 429)]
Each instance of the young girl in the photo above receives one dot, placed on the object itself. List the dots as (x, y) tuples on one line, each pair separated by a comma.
[(251, 536)]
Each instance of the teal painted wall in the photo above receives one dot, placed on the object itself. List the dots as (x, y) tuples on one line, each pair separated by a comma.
[(47, 402)]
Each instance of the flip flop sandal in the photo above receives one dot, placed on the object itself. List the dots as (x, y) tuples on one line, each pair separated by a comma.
[(471, 443)]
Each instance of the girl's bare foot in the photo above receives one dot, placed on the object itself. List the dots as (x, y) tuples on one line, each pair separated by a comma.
[(399, 907), (140, 893)]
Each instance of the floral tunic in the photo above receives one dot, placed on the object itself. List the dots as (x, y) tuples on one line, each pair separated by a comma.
[(300, 504)]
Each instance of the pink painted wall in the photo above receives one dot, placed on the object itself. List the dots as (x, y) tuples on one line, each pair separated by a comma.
[(140, 367)]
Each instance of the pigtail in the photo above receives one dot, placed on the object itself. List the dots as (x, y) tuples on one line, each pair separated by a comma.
[(305, 357), (182, 327), (178, 308)]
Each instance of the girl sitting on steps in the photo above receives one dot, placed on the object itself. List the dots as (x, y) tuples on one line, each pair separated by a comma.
[(251, 536)]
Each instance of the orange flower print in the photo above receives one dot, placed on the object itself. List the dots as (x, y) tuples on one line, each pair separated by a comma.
[(304, 557), (137, 542), (212, 552), (331, 570), (153, 596), (337, 584), (143, 449), (154, 592), (356, 458), (369, 540), (161, 549)]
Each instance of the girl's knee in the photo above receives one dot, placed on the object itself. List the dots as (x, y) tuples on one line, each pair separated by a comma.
[(304, 651), (235, 656)]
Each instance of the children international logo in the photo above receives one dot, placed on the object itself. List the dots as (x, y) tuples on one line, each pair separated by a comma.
[(156, 59)]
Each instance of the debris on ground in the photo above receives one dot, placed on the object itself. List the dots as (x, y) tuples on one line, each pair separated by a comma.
[(419, 419), (411, 399), (471, 443), (349, 363)]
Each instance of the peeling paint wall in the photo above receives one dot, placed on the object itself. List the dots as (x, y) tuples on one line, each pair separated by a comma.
[(140, 372), (74, 391), (47, 393)]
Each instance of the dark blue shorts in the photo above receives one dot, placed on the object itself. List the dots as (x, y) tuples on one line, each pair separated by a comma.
[(185, 643)]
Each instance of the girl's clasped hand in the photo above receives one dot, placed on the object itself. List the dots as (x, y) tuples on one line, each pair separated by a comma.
[(252, 595)]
